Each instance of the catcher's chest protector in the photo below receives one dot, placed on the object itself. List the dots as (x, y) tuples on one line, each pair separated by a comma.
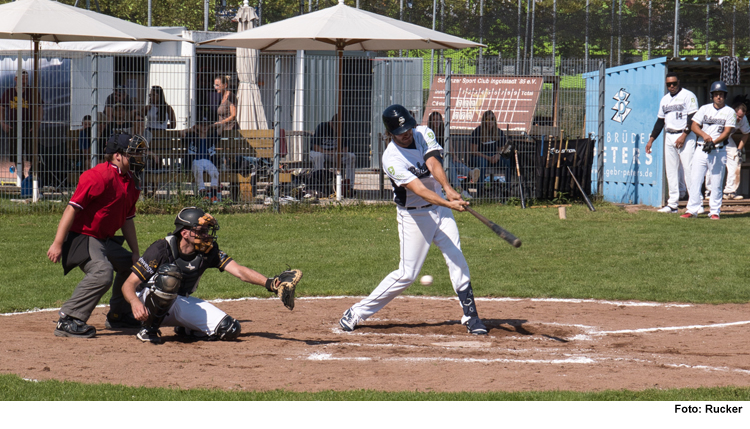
[(191, 269)]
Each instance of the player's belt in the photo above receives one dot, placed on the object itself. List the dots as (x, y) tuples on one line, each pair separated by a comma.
[(420, 207), (674, 131)]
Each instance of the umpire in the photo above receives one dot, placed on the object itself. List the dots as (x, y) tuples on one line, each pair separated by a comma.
[(103, 203)]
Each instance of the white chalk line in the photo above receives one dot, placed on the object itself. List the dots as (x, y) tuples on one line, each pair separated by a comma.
[(431, 298), (671, 328)]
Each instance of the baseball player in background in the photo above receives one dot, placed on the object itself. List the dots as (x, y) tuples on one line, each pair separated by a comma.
[(734, 152), (413, 162), (103, 202), (163, 279), (713, 124), (676, 111)]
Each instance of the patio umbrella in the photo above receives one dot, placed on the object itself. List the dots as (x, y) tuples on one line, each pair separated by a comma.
[(47, 20), (250, 113), (341, 28)]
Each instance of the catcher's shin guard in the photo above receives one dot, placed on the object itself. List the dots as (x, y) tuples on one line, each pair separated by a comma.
[(228, 329), (163, 290)]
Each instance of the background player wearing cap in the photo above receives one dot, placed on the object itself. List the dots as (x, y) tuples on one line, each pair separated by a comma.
[(713, 124), (103, 202), (676, 111), (413, 162), (163, 279)]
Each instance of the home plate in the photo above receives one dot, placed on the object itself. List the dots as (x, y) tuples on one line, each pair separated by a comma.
[(472, 344)]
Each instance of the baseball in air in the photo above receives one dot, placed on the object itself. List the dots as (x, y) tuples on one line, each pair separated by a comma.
[(426, 280)]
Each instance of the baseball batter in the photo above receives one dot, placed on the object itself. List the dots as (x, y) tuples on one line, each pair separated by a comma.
[(163, 279), (413, 162), (676, 111), (713, 124)]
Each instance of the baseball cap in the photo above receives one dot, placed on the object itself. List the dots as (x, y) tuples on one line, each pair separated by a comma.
[(118, 143)]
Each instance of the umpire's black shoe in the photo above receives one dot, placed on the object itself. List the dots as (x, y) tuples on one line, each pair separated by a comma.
[(121, 321), (71, 327)]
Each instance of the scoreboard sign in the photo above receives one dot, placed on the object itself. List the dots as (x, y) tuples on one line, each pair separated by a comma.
[(512, 99)]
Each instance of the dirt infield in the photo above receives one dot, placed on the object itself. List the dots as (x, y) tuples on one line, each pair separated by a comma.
[(414, 344)]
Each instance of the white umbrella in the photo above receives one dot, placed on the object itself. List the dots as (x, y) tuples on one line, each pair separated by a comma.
[(46, 20), (250, 113), (341, 28)]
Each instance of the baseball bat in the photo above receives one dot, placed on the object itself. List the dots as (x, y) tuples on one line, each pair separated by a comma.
[(518, 168), (497, 229), (585, 198)]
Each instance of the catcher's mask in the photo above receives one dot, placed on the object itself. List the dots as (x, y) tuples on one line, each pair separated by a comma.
[(133, 146), (202, 226)]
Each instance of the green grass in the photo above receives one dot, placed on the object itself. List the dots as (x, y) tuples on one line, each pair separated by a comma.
[(14, 388), (609, 254)]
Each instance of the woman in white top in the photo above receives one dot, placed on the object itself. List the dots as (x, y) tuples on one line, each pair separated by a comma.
[(158, 112)]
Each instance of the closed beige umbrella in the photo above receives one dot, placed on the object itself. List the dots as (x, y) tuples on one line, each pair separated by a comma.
[(250, 112)]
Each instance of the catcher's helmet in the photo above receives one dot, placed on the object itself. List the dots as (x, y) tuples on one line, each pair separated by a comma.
[(133, 146), (719, 86), (203, 224), (398, 120)]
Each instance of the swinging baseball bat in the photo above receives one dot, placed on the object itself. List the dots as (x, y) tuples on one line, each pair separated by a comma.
[(497, 229), (585, 198)]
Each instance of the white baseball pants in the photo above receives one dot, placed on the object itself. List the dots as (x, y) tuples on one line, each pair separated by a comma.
[(733, 169), (418, 229), (203, 165), (678, 161), (712, 163), (192, 313)]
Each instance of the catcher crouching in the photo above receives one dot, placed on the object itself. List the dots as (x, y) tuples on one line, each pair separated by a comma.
[(168, 272)]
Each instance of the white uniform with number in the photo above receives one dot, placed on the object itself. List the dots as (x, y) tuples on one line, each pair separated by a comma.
[(419, 223), (733, 159), (712, 122), (675, 110)]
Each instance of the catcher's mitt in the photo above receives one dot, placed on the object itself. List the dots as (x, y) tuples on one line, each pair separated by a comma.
[(283, 286)]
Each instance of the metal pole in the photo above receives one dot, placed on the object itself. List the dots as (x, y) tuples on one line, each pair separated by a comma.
[(481, 33), (554, 31), (94, 109), (276, 133), (205, 15), (432, 51), (400, 18), (612, 34), (447, 121), (649, 30), (734, 21), (600, 137), (531, 39), (586, 54), (518, 38), (19, 123), (708, 39), (149, 13), (526, 34), (619, 35), (676, 48)]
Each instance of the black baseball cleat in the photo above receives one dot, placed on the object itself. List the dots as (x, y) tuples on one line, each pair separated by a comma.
[(149, 335), (71, 327), (476, 327), (121, 321)]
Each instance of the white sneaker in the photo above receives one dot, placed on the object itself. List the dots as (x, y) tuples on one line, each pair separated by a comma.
[(701, 210), (667, 209), (738, 197)]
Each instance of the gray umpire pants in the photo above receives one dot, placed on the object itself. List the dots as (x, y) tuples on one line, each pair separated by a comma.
[(107, 258)]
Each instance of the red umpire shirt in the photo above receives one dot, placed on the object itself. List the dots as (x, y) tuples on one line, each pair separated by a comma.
[(106, 198)]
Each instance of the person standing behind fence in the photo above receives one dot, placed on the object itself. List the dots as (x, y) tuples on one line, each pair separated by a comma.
[(226, 107), (486, 141), (676, 111), (734, 153), (325, 147), (455, 160), (31, 116), (713, 124), (159, 114)]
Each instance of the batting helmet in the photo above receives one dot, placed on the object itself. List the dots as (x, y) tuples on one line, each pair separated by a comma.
[(719, 86), (398, 120), (203, 223)]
